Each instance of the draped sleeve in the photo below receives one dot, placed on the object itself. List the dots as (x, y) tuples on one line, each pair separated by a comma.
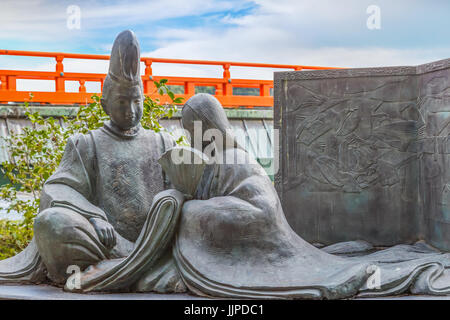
[(72, 185), (167, 143)]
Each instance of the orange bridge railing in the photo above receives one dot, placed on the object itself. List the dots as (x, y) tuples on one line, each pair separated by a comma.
[(223, 86)]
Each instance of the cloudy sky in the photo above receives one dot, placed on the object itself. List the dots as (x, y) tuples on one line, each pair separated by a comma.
[(308, 32)]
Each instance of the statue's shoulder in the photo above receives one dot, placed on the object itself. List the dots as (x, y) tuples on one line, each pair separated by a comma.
[(163, 138), (168, 142), (80, 140), (83, 143)]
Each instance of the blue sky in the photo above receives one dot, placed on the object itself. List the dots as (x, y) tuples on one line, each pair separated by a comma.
[(309, 32)]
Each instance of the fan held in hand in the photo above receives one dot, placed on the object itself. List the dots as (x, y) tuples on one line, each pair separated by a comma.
[(184, 166)]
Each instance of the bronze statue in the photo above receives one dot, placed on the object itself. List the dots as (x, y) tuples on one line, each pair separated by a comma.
[(233, 241), (95, 204), (110, 211)]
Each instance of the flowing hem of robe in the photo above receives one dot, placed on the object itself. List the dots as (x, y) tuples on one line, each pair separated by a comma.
[(424, 274), (25, 267), (201, 285), (235, 242), (144, 261)]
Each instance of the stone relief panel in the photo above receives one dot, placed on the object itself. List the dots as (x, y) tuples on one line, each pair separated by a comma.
[(358, 152), (434, 103)]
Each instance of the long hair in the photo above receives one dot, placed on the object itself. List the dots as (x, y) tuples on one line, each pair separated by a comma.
[(209, 111)]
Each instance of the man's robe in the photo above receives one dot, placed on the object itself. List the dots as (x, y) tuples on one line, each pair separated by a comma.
[(109, 177), (101, 175)]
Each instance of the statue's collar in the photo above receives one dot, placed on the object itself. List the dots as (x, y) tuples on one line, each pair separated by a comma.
[(127, 134)]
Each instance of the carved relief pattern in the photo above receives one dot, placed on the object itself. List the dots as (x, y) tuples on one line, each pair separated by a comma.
[(379, 135), (352, 141)]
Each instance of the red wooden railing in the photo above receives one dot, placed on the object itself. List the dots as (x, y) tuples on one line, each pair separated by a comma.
[(223, 86)]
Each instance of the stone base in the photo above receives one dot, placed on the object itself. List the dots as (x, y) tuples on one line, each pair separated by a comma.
[(46, 292)]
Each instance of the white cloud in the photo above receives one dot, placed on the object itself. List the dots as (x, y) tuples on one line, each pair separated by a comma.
[(44, 20), (308, 33), (322, 32)]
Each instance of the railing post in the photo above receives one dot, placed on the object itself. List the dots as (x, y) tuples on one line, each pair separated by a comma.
[(4, 84), (189, 88), (227, 87), (226, 71), (219, 90), (148, 67), (264, 90), (12, 83), (82, 87), (59, 82), (149, 86)]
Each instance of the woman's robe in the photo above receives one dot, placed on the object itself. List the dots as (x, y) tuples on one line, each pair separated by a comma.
[(234, 241)]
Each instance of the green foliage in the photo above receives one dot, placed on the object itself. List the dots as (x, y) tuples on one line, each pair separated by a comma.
[(36, 153), (14, 237), (154, 111), (205, 89)]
